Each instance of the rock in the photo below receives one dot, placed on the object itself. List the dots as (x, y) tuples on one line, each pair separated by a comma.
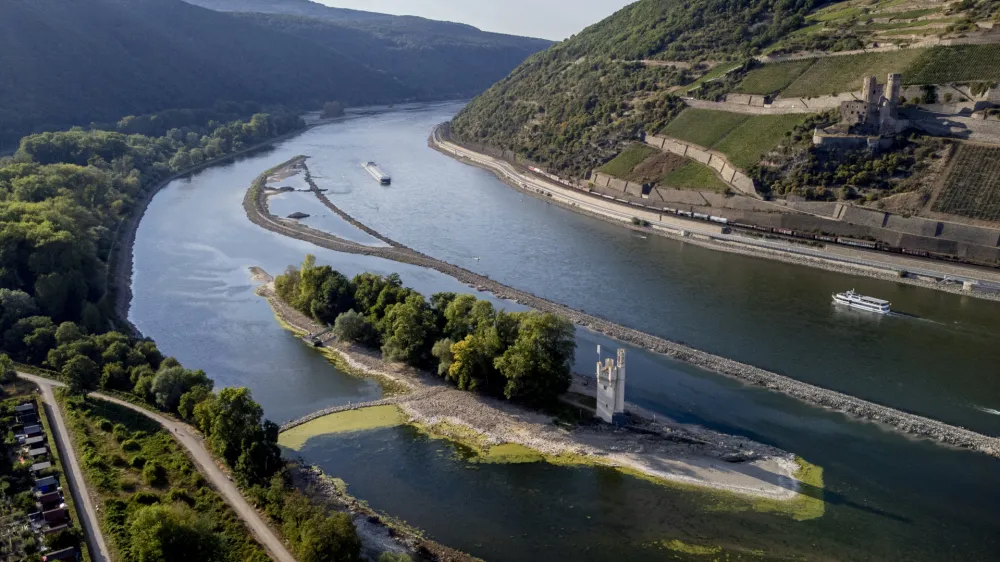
[(298, 215)]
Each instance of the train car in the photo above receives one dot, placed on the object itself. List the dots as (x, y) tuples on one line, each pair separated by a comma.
[(669, 210), (826, 238), (785, 231), (685, 213), (701, 216), (921, 253), (856, 243), (722, 220)]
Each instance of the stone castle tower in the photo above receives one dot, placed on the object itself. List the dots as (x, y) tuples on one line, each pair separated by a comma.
[(876, 112), (611, 389)]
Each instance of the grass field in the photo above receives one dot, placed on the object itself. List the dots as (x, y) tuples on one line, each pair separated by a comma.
[(772, 78), (693, 175), (833, 75), (755, 137), (622, 165), (961, 63), (131, 463), (703, 127), (972, 188), (910, 14)]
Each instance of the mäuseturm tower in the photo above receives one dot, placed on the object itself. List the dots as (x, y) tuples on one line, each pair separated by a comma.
[(611, 389)]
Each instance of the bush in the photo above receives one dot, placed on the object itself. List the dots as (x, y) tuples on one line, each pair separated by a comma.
[(120, 432), (353, 327), (137, 461), (145, 498), (131, 445), (106, 426), (154, 474)]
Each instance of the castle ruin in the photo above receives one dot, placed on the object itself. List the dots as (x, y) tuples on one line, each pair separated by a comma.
[(871, 120), (876, 113), (611, 389)]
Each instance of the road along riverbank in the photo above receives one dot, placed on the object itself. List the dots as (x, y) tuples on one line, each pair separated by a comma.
[(900, 269), (500, 431), (255, 205)]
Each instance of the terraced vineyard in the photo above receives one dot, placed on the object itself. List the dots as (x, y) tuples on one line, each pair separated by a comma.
[(744, 139), (833, 75), (962, 63), (703, 127), (772, 78), (693, 175), (972, 187)]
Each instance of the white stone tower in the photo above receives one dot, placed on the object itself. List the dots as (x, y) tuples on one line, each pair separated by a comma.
[(894, 87), (611, 389)]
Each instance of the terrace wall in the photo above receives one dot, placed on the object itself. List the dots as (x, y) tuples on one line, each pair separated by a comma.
[(730, 174)]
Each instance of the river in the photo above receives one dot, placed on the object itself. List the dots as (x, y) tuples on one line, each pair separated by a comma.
[(888, 497)]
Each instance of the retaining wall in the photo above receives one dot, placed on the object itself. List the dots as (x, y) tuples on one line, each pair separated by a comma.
[(729, 173)]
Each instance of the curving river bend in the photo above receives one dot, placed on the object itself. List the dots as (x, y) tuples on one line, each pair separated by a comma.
[(888, 497)]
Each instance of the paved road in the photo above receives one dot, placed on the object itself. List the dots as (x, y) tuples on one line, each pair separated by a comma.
[(205, 461), (596, 205), (72, 472)]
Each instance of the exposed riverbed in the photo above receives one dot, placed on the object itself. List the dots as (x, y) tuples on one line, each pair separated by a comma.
[(887, 497)]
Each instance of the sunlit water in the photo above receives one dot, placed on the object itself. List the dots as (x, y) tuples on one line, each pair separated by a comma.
[(889, 497)]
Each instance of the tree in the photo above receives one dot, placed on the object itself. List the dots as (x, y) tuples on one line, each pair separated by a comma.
[(537, 366), (168, 387), (81, 374), (332, 109), (442, 352), (15, 305), (351, 326), (67, 333), (7, 372), (236, 432), (409, 330), (160, 533)]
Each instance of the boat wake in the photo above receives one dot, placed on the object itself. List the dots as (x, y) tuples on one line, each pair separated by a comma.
[(987, 410)]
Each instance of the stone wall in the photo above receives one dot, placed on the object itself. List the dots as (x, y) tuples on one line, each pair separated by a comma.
[(757, 107), (730, 174)]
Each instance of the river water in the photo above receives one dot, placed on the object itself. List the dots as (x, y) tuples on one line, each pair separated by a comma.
[(887, 497)]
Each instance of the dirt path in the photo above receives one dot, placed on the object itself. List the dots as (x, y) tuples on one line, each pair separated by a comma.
[(73, 474), (205, 461)]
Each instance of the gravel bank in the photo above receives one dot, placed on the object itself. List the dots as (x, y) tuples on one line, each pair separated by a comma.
[(255, 204)]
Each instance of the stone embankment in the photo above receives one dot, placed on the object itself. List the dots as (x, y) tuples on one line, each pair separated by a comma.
[(255, 204)]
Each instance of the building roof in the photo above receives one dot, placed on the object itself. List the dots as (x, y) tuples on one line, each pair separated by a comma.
[(64, 554), (47, 481), (40, 466), (49, 497), (33, 440), (32, 429), (27, 407), (38, 451)]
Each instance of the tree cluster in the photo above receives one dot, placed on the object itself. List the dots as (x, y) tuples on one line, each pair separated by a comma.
[(523, 356), (64, 196)]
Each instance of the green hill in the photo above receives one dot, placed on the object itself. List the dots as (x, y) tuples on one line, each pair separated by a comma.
[(573, 106), (65, 63)]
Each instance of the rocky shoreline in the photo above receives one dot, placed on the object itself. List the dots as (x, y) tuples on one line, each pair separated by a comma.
[(255, 204)]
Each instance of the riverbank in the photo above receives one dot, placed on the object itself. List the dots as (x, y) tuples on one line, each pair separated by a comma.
[(255, 205), (500, 431), (900, 269)]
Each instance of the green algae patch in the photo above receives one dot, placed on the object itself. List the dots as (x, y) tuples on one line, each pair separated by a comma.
[(679, 546), (806, 505), (510, 453), (375, 417)]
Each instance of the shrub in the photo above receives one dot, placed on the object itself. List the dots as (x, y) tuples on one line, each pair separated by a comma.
[(119, 461), (120, 432), (137, 461), (131, 445), (145, 498), (106, 426), (154, 474)]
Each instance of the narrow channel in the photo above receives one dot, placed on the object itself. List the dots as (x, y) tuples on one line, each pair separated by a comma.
[(192, 294)]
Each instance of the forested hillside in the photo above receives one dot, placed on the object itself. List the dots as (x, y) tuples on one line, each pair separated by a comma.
[(73, 62), (460, 62), (572, 106)]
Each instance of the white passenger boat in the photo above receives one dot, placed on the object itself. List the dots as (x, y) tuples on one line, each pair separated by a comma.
[(377, 173), (861, 302)]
